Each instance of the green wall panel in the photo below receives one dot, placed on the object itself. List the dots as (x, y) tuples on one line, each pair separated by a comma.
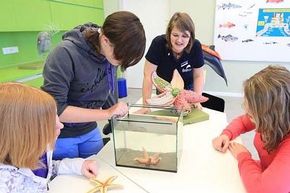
[(33, 15), (35, 82), (22, 20), (39, 15), (67, 16), (15, 73), (27, 46), (24, 15), (100, 17), (27, 61), (7, 21), (85, 3)]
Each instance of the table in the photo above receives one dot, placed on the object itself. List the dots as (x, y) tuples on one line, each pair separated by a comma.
[(202, 169)]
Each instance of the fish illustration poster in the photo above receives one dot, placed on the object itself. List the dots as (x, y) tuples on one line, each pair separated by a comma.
[(253, 30)]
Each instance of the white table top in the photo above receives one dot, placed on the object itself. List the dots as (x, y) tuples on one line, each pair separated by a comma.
[(201, 169), (80, 184)]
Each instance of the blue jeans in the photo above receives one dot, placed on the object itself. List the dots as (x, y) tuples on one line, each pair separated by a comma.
[(81, 146)]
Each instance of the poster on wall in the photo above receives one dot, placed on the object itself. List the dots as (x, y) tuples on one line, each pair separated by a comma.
[(253, 30)]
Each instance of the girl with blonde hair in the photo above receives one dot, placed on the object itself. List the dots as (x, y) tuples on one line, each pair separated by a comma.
[(28, 130)]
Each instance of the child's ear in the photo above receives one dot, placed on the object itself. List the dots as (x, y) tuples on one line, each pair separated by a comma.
[(105, 40)]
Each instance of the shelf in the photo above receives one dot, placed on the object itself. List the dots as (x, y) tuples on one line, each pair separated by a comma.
[(14, 73)]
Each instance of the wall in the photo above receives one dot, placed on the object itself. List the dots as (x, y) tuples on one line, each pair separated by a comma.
[(202, 12), (26, 43), (21, 21), (146, 10), (111, 6), (35, 15)]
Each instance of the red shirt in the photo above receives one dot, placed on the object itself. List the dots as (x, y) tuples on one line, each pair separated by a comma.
[(272, 173)]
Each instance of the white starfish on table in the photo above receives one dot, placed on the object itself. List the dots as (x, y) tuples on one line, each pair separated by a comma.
[(103, 187)]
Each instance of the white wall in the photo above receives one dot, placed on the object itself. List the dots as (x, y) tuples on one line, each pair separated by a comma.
[(111, 6), (153, 15), (202, 13)]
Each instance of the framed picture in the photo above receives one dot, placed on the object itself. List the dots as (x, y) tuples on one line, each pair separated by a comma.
[(253, 30)]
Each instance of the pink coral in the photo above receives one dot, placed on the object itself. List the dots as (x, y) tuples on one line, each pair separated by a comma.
[(185, 100), (191, 96), (181, 104)]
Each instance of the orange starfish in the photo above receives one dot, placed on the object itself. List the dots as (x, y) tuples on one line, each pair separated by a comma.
[(148, 160), (103, 186)]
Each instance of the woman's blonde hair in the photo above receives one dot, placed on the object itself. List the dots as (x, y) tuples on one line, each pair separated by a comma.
[(28, 120), (267, 95), (182, 22)]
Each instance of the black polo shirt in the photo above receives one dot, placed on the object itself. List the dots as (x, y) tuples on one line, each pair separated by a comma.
[(159, 54)]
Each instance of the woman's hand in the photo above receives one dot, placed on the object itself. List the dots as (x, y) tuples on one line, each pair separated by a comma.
[(236, 149), (142, 111), (221, 143), (197, 106), (90, 169)]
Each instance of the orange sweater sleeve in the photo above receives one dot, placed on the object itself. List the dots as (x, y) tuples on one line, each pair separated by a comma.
[(239, 125), (274, 179)]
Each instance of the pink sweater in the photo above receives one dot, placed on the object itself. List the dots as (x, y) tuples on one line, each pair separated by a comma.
[(272, 173)]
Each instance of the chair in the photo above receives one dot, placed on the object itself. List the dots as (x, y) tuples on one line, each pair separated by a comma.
[(214, 102), (107, 129), (106, 140)]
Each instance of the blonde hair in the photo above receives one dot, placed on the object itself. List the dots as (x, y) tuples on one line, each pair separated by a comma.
[(182, 22), (267, 95), (28, 118)]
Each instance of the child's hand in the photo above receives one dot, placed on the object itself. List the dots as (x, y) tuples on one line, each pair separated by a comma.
[(90, 169), (221, 143), (120, 109), (236, 149)]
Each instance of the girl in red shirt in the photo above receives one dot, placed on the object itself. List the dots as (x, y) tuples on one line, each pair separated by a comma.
[(267, 111)]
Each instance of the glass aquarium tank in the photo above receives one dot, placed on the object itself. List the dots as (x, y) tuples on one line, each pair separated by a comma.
[(148, 141)]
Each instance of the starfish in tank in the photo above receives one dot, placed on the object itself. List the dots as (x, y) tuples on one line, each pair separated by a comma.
[(147, 159)]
